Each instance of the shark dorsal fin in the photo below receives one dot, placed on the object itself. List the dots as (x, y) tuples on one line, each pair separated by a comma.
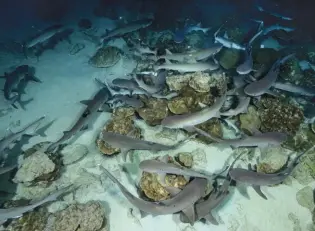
[(85, 102), (168, 52)]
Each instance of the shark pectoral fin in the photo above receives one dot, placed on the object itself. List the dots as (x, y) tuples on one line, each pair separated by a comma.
[(190, 214), (104, 108), (202, 105), (143, 214), (168, 52), (167, 61), (124, 153), (84, 128), (161, 178), (35, 79), (85, 102), (173, 191), (259, 192), (209, 217)]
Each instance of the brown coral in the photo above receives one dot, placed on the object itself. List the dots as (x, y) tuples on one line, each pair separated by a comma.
[(121, 123), (280, 117), (154, 111), (105, 57)]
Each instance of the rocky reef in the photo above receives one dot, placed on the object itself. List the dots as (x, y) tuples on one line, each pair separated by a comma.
[(278, 116), (105, 57), (122, 122), (38, 167), (152, 187), (76, 217), (154, 110)]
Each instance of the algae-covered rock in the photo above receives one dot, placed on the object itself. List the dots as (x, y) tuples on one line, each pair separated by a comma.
[(235, 34), (32, 221), (151, 187), (303, 140), (212, 127), (105, 57), (305, 198), (291, 71), (277, 116), (151, 184), (38, 167), (198, 81), (177, 82), (185, 159), (73, 153), (154, 111), (195, 39), (304, 173), (229, 58), (188, 101), (272, 160), (266, 56), (80, 217), (175, 181), (122, 123), (250, 121)]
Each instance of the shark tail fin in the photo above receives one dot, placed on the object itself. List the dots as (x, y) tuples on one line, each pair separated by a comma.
[(33, 78), (24, 103)]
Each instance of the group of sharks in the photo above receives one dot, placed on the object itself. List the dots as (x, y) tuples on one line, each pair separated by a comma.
[(192, 202)]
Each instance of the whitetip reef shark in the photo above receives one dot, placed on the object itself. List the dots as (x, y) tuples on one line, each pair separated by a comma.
[(92, 106), (12, 137), (184, 201), (16, 212), (257, 179), (127, 143)]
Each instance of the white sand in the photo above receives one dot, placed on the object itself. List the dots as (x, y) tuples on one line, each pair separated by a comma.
[(67, 80)]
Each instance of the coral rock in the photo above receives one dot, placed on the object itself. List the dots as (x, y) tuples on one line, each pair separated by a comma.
[(73, 153), (188, 101), (105, 57), (80, 217), (304, 173), (150, 185), (154, 111), (305, 198), (37, 168), (121, 123), (250, 121), (185, 159), (199, 81), (229, 58), (280, 117)]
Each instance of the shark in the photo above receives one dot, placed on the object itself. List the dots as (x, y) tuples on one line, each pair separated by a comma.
[(14, 80), (257, 179), (16, 212), (14, 136), (127, 143), (180, 34), (227, 42), (92, 106), (128, 28), (183, 201), (263, 85), (192, 56), (42, 37), (195, 118), (188, 67)]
